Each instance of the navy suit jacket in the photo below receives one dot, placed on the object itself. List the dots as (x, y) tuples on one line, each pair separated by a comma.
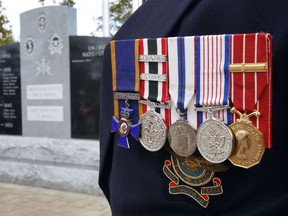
[(133, 180)]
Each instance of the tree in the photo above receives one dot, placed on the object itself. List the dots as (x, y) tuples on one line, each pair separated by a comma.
[(120, 11), (67, 3), (70, 3), (5, 30)]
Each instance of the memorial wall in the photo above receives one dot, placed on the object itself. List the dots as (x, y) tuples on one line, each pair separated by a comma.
[(10, 90), (49, 99), (86, 55)]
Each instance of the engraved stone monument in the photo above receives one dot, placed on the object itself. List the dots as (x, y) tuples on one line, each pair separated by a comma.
[(45, 70), (10, 90), (86, 56)]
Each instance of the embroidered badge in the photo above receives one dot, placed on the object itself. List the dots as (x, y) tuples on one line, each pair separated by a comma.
[(186, 174)]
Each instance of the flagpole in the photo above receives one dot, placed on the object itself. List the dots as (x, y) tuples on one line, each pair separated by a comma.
[(136, 4), (105, 17)]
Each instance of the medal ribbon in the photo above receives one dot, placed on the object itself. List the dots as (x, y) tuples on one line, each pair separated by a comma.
[(213, 75), (125, 79), (125, 73), (153, 90), (181, 53), (252, 90)]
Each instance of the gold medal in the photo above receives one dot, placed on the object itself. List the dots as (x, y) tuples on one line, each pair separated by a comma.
[(249, 141)]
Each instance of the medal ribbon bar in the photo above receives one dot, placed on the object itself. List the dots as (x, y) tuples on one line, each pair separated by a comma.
[(182, 135), (252, 91), (153, 130), (126, 84), (182, 77), (212, 71), (153, 76), (125, 73)]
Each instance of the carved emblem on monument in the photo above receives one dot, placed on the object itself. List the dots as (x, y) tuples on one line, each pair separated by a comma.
[(42, 22), (43, 67), (30, 46), (55, 44)]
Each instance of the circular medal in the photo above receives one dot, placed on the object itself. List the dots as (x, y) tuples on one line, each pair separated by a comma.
[(182, 138), (124, 127), (249, 147), (153, 131), (215, 140)]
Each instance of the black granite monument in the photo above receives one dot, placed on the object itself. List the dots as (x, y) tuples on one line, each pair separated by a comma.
[(86, 55), (10, 90)]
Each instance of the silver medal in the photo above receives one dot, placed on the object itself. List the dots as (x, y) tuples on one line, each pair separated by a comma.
[(153, 131), (182, 138), (215, 140)]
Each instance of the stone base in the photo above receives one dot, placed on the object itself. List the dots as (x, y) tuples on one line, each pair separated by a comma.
[(60, 164)]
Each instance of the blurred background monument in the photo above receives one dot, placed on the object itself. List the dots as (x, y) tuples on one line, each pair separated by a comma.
[(56, 113), (45, 70), (10, 90)]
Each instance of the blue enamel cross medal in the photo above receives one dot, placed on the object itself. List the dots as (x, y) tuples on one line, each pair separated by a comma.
[(124, 127), (125, 84)]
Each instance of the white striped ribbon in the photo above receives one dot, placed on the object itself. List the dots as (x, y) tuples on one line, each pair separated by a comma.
[(181, 55)]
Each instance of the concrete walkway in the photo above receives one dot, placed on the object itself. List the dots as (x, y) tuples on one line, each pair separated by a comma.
[(19, 200)]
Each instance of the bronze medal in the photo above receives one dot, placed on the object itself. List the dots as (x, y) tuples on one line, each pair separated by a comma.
[(249, 148)]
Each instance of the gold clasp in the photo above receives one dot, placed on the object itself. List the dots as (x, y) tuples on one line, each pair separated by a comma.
[(244, 116), (249, 67)]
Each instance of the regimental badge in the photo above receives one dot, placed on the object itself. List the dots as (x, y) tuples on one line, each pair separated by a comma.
[(30, 46), (124, 127), (250, 142), (42, 22), (55, 44), (190, 175)]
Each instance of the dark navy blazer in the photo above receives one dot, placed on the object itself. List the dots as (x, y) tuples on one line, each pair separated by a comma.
[(133, 180)]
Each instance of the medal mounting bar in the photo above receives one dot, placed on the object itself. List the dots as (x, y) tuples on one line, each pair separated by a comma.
[(249, 67), (210, 109), (154, 77), (155, 104), (152, 58), (126, 96)]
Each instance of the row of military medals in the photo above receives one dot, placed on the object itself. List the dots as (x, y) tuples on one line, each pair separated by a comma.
[(214, 140)]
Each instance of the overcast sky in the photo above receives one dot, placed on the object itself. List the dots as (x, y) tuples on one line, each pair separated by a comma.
[(87, 11)]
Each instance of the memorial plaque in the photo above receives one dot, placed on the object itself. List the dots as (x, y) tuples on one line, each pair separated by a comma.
[(10, 90), (86, 56), (45, 70)]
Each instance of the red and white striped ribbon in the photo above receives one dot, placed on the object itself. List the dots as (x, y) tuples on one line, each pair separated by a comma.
[(213, 75), (253, 90), (161, 87)]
